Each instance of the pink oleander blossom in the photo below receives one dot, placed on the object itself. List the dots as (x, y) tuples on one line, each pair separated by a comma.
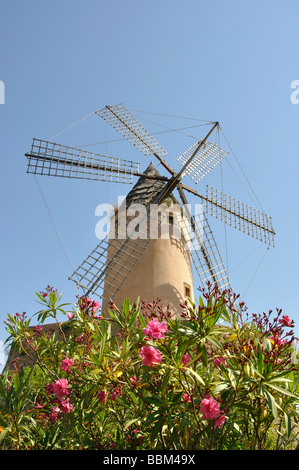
[(150, 356), (218, 361), (219, 421), (66, 364), (155, 329), (65, 406), (285, 321), (186, 397), (186, 359), (70, 315), (54, 414), (102, 396), (209, 408), (59, 388)]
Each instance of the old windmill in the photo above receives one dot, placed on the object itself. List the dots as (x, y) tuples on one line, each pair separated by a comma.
[(117, 266)]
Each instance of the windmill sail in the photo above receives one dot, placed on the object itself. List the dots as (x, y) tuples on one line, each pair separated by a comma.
[(111, 262), (51, 159), (238, 215), (208, 156), (128, 126), (205, 255)]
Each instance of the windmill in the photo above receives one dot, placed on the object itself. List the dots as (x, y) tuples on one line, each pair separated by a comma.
[(110, 264)]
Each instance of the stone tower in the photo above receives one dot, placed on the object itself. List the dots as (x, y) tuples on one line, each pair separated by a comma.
[(164, 270)]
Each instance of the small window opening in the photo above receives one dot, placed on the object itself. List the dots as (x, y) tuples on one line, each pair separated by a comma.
[(187, 289)]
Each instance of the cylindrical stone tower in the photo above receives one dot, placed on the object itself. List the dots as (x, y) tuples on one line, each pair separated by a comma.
[(163, 269)]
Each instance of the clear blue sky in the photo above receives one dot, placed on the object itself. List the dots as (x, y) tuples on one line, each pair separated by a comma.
[(230, 61)]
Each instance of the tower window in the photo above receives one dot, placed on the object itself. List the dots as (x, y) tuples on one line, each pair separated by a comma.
[(187, 290)]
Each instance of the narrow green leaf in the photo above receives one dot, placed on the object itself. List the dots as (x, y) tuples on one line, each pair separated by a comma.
[(221, 387), (260, 357), (191, 371), (271, 403), (288, 424), (282, 390), (157, 428), (214, 341), (129, 423), (166, 380), (142, 320)]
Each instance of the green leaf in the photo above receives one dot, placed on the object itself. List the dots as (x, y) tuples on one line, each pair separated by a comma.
[(260, 360), (288, 424), (157, 428), (221, 387), (166, 380), (153, 416), (195, 374), (142, 320), (271, 402), (156, 400), (129, 423), (282, 390), (214, 341)]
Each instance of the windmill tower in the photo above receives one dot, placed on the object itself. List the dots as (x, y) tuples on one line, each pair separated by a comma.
[(148, 266), (165, 268)]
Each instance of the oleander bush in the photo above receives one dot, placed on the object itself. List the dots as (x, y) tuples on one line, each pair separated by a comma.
[(216, 378)]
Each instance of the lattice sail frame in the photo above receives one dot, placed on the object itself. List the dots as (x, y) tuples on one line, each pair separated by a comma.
[(52, 159), (204, 161), (205, 254), (239, 215), (110, 263), (128, 126)]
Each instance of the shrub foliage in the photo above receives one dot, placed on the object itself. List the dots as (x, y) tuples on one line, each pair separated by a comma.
[(216, 378)]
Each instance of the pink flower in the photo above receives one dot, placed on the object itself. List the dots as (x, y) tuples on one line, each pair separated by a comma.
[(102, 396), (150, 356), (285, 321), (66, 406), (54, 414), (95, 307), (187, 397), (218, 361), (116, 392), (209, 408), (67, 364), (134, 380), (155, 329), (70, 315), (220, 421), (59, 388), (186, 359)]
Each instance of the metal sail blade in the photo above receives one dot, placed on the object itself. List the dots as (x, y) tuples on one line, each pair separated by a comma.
[(205, 254), (110, 263), (128, 126), (238, 215), (208, 156), (49, 158)]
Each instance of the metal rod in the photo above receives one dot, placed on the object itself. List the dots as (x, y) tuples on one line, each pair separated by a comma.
[(193, 191), (202, 248), (177, 176)]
